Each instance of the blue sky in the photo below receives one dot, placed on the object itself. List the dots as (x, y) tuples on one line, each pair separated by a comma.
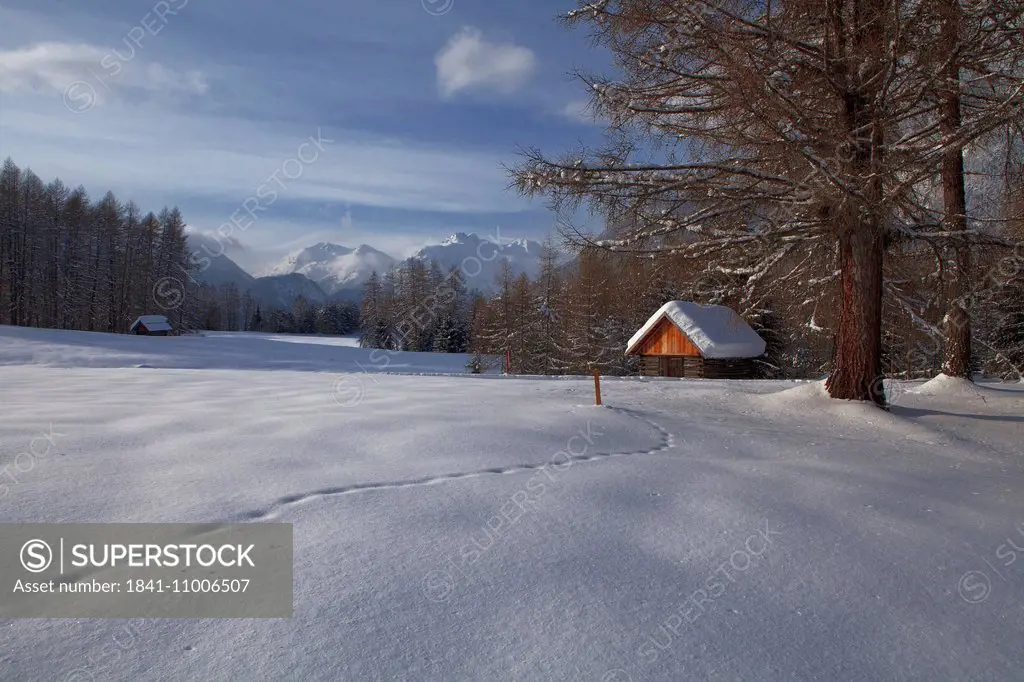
[(415, 104)]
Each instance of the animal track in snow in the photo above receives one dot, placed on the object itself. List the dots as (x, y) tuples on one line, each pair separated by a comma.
[(667, 442)]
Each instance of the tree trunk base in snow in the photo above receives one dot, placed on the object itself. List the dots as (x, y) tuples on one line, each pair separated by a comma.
[(855, 386), (857, 374), (957, 329)]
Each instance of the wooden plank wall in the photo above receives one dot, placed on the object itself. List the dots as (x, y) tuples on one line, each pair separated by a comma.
[(700, 368), (650, 366), (667, 339), (728, 369)]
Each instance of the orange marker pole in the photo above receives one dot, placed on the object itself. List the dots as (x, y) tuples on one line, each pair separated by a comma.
[(597, 387)]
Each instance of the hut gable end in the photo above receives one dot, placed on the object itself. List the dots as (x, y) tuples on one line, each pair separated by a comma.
[(716, 331), (667, 339), (685, 339)]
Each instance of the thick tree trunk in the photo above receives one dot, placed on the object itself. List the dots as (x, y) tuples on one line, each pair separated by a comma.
[(957, 323), (857, 371), (857, 374)]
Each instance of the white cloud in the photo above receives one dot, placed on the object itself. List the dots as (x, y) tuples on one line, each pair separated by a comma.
[(470, 62), (45, 65), (71, 69)]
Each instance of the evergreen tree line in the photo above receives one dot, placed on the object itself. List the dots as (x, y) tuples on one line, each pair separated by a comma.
[(67, 262), (330, 319), (579, 316), (417, 307), (225, 308), (569, 320)]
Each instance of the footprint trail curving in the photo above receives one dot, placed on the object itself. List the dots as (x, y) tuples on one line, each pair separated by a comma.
[(667, 442)]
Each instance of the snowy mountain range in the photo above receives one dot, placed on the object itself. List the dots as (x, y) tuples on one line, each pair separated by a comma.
[(328, 271), (213, 266), (335, 268), (481, 259), (341, 271)]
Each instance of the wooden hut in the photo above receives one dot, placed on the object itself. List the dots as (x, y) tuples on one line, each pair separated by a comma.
[(685, 339), (151, 325)]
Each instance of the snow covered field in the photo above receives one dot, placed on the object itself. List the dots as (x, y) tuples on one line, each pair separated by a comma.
[(215, 350), (478, 528)]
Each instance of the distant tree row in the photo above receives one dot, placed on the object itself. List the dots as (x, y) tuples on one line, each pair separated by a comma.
[(572, 318), (70, 263), (577, 316), (67, 262), (225, 308), (417, 307), (331, 319)]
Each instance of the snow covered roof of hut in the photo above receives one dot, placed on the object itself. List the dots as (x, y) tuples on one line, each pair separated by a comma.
[(716, 331), (154, 323)]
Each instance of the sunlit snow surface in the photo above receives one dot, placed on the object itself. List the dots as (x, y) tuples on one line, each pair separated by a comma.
[(494, 528)]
